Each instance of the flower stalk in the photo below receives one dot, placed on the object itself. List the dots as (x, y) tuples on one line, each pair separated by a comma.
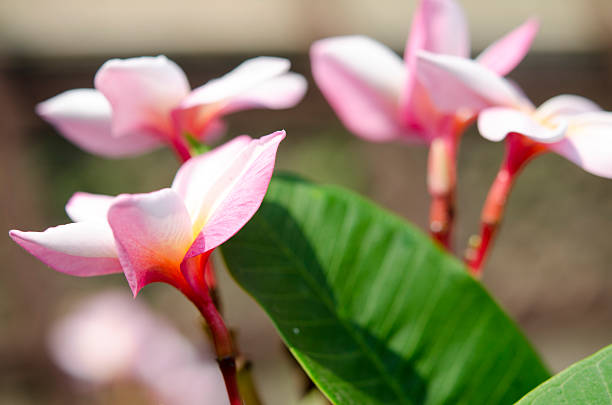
[(519, 151), (442, 177), (221, 336), (441, 186)]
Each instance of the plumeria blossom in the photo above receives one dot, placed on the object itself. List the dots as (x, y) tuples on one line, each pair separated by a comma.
[(572, 126), (376, 94), (139, 104), (166, 235), (110, 338)]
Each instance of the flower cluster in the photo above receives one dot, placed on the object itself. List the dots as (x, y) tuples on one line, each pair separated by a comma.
[(430, 96), (436, 91), (166, 235)]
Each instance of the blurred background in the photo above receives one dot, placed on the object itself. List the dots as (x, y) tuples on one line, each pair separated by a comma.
[(551, 268)]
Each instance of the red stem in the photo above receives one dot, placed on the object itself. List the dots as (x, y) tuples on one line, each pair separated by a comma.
[(180, 148), (193, 286), (492, 214), (221, 339), (441, 218), (519, 151)]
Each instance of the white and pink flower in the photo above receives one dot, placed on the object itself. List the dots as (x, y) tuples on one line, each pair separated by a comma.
[(139, 104)]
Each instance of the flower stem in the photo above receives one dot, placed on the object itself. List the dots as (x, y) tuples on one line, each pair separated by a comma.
[(491, 217), (181, 148), (441, 176), (519, 151), (222, 341)]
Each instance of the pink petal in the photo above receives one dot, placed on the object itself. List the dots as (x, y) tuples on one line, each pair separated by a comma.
[(438, 26), (83, 116), (566, 104), (281, 92), (362, 80), (86, 206), (224, 188), (506, 53), (261, 82), (80, 249), (199, 169), (588, 143), (456, 84), (142, 92), (212, 131), (102, 340), (496, 122), (248, 75), (153, 233)]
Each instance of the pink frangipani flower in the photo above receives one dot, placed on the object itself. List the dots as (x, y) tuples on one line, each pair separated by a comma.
[(377, 95), (110, 338), (139, 104), (166, 235), (572, 126), (569, 125)]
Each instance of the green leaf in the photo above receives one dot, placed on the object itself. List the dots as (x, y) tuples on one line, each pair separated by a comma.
[(373, 311), (587, 382)]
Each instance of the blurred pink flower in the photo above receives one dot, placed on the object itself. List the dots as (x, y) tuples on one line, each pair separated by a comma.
[(572, 126), (142, 103), (166, 235), (377, 95), (111, 337)]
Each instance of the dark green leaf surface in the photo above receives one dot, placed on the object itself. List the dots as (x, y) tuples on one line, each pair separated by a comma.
[(587, 382), (372, 310)]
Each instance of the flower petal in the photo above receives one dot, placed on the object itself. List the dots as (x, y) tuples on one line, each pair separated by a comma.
[(153, 233), (260, 82), (142, 92), (86, 206), (198, 170), (506, 53), (456, 84), (588, 143), (438, 26), (249, 74), (362, 80), (222, 189), (496, 122), (80, 249), (566, 104), (83, 116), (281, 92)]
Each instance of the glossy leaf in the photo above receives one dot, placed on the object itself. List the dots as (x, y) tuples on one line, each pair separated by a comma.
[(373, 311), (587, 382)]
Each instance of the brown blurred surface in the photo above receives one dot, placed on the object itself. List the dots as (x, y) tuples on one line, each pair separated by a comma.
[(550, 268)]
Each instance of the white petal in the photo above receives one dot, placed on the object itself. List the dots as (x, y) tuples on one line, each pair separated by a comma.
[(142, 92), (81, 249), (84, 116), (246, 76), (457, 83), (497, 122), (588, 143), (566, 104), (86, 206)]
